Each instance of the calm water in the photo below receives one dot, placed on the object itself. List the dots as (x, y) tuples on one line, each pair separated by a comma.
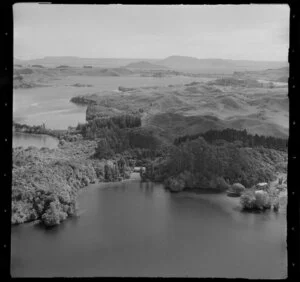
[(37, 140), (51, 105), (140, 229)]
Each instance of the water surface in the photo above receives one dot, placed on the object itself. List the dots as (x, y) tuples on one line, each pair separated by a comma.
[(37, 140), (51, 105), (140, 229)]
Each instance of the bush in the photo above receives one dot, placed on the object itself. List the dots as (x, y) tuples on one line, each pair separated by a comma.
[(262, 200), (255, 200), (54, 215), (99, 169), (237, 188), (247, 200), (276, 204), (174, 184), (22, 212)]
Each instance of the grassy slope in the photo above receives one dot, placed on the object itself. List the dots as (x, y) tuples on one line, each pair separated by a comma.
[(280, 75), (197, 107)]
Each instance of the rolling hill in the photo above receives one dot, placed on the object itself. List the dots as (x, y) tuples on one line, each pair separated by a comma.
[(145, 65), (179, 63), (279, 75), (201, 106), (53, 61), (217, 65)]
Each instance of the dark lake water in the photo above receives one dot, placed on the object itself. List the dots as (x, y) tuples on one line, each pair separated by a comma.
[(140, 229), (37, 140)]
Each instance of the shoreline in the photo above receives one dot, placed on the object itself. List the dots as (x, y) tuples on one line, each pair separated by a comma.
[(219, 198), (35, 134)]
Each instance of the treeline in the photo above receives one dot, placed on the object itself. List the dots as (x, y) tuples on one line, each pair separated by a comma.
[(198, 164), (122, 134), (36, 129), (96, 127), (138, 143), (230, 81), (41, 129), (232, 135), (46, 189)]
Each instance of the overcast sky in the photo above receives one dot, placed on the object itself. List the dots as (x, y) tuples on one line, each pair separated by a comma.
[(246, 32)]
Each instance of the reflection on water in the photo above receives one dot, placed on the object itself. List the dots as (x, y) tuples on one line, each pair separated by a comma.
[(140, 229), (37, 140)]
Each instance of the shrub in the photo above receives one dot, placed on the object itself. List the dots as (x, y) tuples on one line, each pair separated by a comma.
[(22, 212), (283, 199), (99, 169), (237, 188), (174, 184), (262, 200), (276, 204), (255, 200), (53, 215), (247, 200)]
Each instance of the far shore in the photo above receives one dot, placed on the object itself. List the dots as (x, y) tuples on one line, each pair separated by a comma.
[(35, 134)]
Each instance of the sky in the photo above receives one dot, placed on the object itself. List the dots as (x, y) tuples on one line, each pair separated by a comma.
[(238, 32)]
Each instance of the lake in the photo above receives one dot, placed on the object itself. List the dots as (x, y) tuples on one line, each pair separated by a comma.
[(51, 105), (37, 140), (131, 228)]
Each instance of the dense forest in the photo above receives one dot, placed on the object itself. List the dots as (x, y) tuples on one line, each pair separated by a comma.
[(36, 129), (94, 128), (230, 81), (70, 134), (232, 135), (124, 135), (199, 164), (214, 159), (139, 143), (45, 182)]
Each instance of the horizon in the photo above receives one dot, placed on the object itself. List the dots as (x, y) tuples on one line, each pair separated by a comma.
[(225, 32), (129, 58)]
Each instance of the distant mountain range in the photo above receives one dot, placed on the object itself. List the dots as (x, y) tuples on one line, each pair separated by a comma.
[(181, 63), (193, 64), (79, 62), (145, 65)]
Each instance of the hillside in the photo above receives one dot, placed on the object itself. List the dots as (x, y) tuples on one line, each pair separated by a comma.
[(179, 63), (37, 75), (45, 182), (52, 61), (216, 65), (279, 75), (145, 65), (200, 106), (196, 164)]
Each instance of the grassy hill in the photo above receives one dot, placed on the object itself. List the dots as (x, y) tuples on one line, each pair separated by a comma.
[(217, 65), (145, 65), (279, 75), (200, 106)]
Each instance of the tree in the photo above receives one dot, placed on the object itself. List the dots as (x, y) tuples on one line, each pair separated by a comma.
[(53, 215)]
